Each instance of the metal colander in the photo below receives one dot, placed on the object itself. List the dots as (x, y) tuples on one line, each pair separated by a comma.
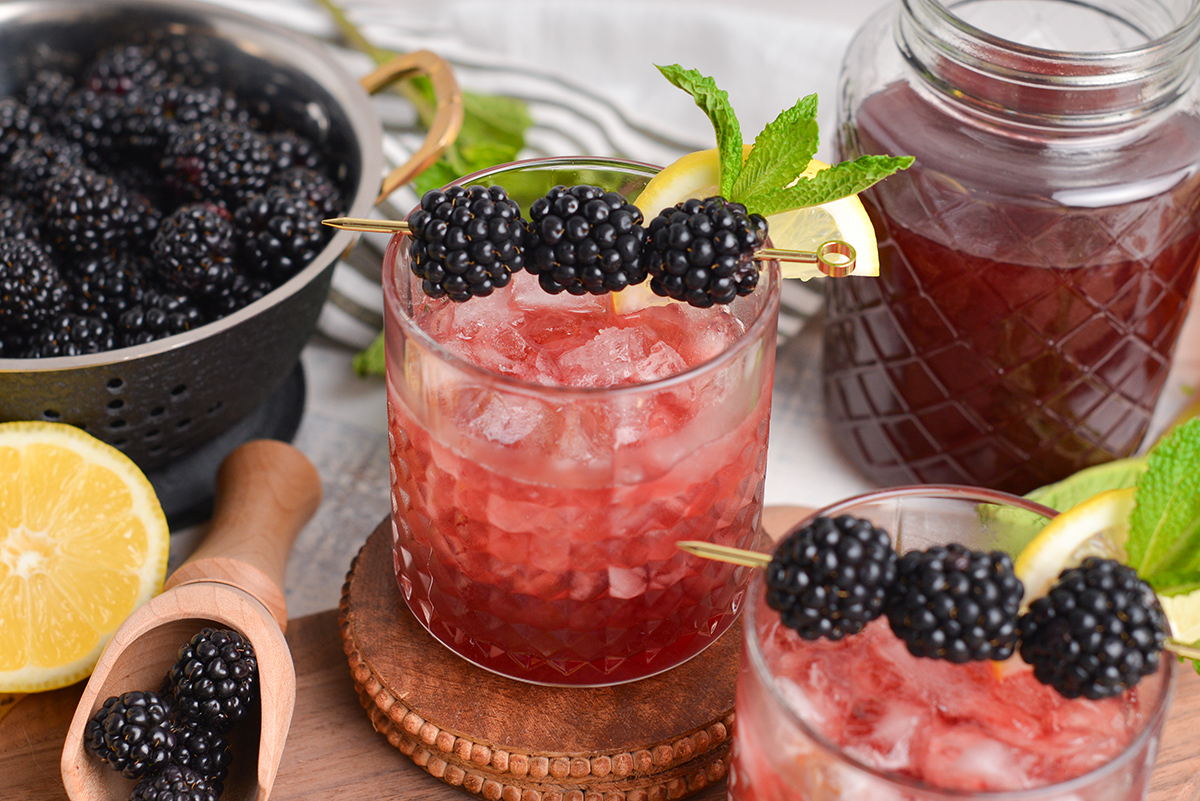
[(156, 402)]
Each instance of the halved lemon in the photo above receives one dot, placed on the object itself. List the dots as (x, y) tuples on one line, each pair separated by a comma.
[(83, 542), (1098, 526)]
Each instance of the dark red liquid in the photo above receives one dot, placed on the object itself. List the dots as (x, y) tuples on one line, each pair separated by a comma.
[(1024, 318)]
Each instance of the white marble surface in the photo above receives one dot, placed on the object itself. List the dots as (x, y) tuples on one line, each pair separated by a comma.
[(766, 53)]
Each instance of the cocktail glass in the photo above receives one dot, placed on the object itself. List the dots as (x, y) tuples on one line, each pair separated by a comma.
[(862, 720), (535, 522)]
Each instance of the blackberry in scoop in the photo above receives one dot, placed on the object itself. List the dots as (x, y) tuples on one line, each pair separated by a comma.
[(583, 239), (1098, 631), (830, 578), (215, 680), (466, 242), (702, 251), (957, 604), (175, 783), (132, 733)]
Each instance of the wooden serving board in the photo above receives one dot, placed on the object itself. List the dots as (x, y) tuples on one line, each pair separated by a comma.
[(334, 754)]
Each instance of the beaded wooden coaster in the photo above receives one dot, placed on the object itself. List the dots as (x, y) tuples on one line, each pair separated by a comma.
[(660, 738)]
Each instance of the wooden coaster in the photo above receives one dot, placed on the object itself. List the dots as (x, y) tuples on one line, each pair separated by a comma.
[(661, 738)]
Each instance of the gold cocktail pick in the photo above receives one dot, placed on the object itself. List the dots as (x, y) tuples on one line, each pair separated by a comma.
[(835, 258), (738, 556)]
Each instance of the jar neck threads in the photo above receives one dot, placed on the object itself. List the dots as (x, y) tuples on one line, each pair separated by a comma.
[(992, 73)]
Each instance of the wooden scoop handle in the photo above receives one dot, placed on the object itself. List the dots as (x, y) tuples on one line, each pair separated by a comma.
[(266, 492)]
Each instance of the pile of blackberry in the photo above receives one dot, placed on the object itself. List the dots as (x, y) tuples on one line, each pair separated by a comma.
[(139, 199), (173, 742), (583, 240), (1098, 631)]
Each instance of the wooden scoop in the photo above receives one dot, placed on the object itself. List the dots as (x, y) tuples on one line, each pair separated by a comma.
[(266, 492)]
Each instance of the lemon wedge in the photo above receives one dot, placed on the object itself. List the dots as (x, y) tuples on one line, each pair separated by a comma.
[(83, 542), (1098, 526)]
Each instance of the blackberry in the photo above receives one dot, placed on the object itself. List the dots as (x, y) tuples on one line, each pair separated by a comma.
[(48, 92), (956, 604), (132, 733), (830, 578), (466, 242), (278, 234), (194, 250), (702, 251), (122, 69), (97, 123), (175, 783), (85, 212), (150, 120), (293, 150), (72, 335), (316, 187), (204, 750), (159, 314), (142, 219), (31, 167), (106, 285), (584, 240), (187, 58), (18, 126), (215, 679), (32, 290), (215, 160), (17, 220), (238, 295), (1098, 631)]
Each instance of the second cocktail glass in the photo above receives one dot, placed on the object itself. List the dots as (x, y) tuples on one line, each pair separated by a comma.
[(547, 452), (863, 719)]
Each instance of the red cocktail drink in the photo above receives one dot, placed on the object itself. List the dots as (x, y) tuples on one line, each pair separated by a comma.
[(548, 451), (863, 719)]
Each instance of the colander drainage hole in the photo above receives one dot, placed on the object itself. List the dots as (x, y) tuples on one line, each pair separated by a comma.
[(116, 425), (115, 384), (179, 390), (216, 407), (51, 415), (184, 423), (116, 404), (157, 411), (152, 435)]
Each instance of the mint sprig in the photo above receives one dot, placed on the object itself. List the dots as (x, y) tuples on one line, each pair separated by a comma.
[(1164, 530), (770, 180), (715, 103)]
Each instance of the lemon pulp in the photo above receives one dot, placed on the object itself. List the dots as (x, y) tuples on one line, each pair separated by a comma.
[(83, 542)]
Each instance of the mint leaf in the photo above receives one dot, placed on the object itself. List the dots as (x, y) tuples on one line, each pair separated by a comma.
[(715, 103), (1164, 530), (781, 151), (1078, 487), (371, 360), (839, 181)]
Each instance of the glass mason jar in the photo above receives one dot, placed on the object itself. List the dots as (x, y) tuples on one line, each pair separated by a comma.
[(863, 719), (1037, 259), (535, 521)]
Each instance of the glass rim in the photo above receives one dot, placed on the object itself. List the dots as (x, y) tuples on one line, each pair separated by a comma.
[(393, 307), (1047, 792)]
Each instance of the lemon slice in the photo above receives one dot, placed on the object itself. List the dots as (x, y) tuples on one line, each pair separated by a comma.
[(1098, 526), (83, 542)]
